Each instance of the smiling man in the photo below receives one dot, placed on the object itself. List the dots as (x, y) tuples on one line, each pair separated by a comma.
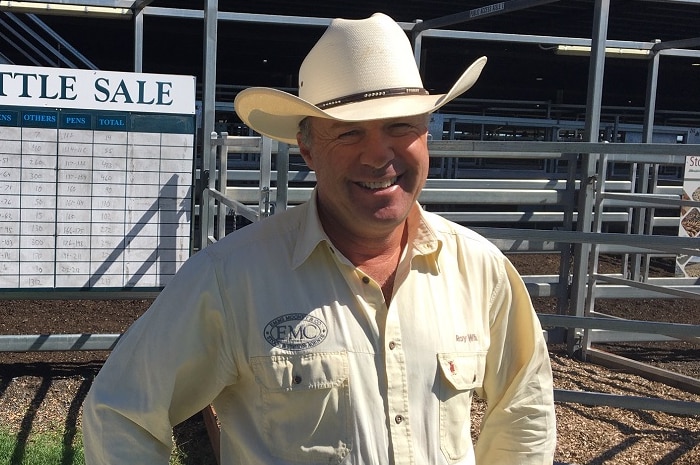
[(369, 175), (352, 329)]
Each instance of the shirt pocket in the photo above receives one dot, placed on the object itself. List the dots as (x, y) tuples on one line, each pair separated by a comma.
[(460, 373), (305, 406)]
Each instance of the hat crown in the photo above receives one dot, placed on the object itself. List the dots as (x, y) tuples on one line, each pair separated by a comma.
[(356, 56)]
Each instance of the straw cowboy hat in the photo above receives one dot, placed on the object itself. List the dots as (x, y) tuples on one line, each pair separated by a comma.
[(359, 70)]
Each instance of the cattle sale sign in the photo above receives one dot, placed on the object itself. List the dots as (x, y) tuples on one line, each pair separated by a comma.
[(103, 90), (96, 172)]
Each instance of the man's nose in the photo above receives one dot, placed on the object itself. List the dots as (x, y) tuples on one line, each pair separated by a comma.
[(378, 149)]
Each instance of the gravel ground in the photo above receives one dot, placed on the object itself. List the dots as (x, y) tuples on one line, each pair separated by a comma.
[(43, 391)]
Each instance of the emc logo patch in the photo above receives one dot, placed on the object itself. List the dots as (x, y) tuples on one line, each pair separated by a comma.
[(295, 331)]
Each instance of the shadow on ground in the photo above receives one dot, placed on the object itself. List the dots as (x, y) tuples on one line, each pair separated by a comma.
[(191, 440)]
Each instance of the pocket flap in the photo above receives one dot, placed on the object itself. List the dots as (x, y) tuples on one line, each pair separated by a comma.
[(463, 370), (301, 372)]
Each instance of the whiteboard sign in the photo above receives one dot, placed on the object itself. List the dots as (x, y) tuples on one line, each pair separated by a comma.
[(92, 197)]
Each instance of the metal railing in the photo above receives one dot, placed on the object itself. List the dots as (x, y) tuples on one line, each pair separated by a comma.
[(229, 193), (279, 188)]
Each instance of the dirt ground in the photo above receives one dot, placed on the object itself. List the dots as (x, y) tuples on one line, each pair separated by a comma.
[(43, 391)]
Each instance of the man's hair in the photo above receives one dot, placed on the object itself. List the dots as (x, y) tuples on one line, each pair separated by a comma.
[(305, 131)]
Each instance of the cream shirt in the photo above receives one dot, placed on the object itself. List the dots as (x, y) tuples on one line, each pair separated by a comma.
[(305, 364)]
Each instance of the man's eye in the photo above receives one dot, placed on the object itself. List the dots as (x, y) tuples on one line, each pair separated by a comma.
[(349, 134), (400, 128)]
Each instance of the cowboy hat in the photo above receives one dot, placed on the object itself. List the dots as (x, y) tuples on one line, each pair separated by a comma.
[(358, 70)]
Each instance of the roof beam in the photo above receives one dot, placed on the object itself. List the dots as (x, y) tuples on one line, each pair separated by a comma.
[(683, 43), (478, 13)]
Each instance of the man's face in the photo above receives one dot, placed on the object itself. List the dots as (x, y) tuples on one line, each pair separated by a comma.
[(369, 174)]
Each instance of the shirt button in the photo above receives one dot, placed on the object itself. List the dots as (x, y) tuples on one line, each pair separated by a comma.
[(398, 419), (392, 345), (365, 279)]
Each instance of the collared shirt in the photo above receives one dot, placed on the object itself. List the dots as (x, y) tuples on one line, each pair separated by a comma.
[(304, 362)]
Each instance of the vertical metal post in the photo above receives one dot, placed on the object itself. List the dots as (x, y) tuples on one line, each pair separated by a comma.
[(206, 203), (589, 161), (594, 249), (211, 13), (643, 219), (596, 70), (222, 184), (417, 45), (650, 104), (265, 177), (208, 139), (281, 199), (138, 41), (565, 255)]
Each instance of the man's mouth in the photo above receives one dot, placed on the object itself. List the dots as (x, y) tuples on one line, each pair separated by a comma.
[(379, 184)]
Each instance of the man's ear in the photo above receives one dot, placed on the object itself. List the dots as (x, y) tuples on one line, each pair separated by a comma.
[(305, 152)]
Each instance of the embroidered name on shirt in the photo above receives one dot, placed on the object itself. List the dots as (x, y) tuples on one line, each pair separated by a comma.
[(295, 332), (466, 338)]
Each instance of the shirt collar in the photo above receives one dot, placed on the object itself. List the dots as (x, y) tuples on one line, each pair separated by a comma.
[(422, 239), (311, 233)]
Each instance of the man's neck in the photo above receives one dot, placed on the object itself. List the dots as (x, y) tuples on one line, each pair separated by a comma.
[(378, 259)]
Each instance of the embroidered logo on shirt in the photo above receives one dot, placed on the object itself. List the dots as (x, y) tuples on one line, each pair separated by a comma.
[(453, 368), (295, 331)]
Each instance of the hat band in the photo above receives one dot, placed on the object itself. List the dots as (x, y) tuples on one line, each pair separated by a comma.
[(372, 95)]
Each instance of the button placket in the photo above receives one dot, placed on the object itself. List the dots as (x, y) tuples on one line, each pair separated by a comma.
[(397, 390)]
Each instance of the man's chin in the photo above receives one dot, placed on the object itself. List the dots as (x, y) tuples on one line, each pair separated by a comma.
[(388, 220)]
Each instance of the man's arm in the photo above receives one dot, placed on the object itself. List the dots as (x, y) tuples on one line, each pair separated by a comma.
[(519, 425), (170, 364)]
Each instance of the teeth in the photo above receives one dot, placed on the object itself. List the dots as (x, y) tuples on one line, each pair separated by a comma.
[(379, 184)]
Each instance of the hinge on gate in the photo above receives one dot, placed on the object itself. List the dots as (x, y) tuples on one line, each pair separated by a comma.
[(265, 195)]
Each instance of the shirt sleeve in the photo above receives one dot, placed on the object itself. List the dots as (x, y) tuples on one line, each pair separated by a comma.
[(170, 364), (519, 426)]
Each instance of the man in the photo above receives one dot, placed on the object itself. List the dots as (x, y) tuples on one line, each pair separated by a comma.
[(352, 329)]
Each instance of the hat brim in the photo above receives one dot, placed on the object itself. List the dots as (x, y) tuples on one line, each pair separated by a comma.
[(277, 114)]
